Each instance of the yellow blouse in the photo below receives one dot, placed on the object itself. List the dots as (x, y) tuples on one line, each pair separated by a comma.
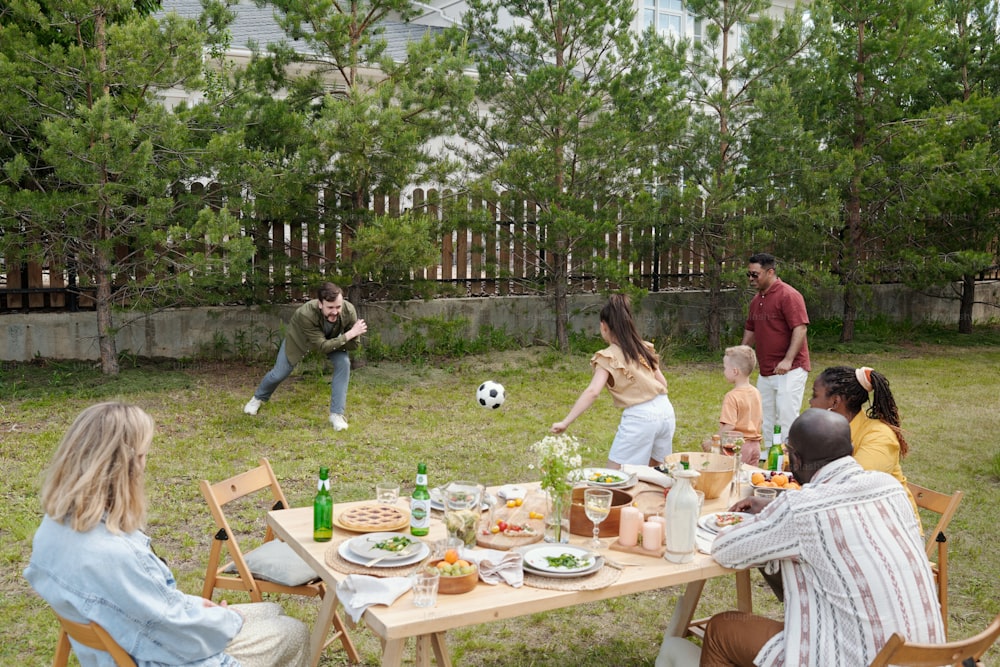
[(876, 447)]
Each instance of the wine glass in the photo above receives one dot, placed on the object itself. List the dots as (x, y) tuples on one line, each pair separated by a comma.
[(597, 505)]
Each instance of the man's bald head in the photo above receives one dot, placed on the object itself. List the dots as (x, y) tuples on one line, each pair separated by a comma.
[(817, 437)]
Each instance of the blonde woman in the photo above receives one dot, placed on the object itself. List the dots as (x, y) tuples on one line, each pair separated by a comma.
[(91, 562)]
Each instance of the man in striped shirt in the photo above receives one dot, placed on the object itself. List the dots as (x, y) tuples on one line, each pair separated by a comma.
[(851, 555)]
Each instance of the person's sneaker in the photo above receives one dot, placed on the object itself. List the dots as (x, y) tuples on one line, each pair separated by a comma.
[(338, 421), (252, 406)]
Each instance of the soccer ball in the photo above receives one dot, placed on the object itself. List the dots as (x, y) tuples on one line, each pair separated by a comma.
[(490, 395)]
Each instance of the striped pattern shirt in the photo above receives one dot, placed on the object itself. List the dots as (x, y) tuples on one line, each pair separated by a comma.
[(852, 562)]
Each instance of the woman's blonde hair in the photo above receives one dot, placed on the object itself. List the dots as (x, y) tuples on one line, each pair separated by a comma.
[(98, 469)]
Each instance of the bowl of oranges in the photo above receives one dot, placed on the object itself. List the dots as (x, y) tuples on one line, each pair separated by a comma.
[(774, 479), (457, 574)]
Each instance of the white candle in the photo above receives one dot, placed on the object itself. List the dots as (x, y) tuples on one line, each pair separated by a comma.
[(663, 522), (629, 526), (652, 535)]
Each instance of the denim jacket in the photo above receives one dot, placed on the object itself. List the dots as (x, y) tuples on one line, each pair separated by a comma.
[(119, 583)]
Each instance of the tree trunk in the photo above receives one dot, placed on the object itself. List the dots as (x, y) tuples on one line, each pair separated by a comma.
[(714, 315), (559, 291), (968, 299), (105, 327)]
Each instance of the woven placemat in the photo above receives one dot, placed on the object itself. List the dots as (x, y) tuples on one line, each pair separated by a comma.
[(592, 582), (338, 563)]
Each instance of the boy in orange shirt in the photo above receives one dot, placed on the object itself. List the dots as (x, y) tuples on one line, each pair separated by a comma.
[(741, 406)]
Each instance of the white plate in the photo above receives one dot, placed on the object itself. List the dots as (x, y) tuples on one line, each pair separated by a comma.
[(345, 552), (512, 492), (437, 501), (623, 479), (363, 546), (536, 558), (708, 521)]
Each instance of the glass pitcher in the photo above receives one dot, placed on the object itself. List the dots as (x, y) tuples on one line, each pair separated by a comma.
[(462, 508)]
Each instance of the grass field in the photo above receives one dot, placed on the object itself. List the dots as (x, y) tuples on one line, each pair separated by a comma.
[(404, 413)]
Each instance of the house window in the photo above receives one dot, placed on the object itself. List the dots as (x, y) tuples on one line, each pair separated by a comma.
[(670, 18)]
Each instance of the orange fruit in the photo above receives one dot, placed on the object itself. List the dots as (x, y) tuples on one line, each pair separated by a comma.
[(793, 485), (441, 564), (779, 480), (451, 556), (757, 478), (463, 563)]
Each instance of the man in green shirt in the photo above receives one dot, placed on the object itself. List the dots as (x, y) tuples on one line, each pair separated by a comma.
[(329, 325)]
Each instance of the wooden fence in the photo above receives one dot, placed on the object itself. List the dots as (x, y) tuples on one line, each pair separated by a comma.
[(503, 260)]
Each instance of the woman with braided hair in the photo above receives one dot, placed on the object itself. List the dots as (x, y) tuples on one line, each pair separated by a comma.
[(878, 441)]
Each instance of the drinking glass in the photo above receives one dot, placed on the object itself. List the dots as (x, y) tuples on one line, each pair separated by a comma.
[(597, 505), (732, 445), (425, 586), (387, 492)]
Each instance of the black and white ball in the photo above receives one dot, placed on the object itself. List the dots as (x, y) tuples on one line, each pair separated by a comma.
[(490, 395)]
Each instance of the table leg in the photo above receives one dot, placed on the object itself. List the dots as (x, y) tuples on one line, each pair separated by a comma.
[(744, 595), (432, 642), (440, 650), (684, 611), (392, 652), (317, 640)]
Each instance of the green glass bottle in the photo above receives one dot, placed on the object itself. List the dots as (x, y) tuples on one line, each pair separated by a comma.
[(420, 504), (323, 508), (776, 454)]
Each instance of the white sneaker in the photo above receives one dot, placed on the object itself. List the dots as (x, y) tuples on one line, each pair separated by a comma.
[(252, 406), (338, 421)]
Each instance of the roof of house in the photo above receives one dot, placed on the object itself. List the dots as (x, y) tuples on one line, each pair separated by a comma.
[(257, 24)]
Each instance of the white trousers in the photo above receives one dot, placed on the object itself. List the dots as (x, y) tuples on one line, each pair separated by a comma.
[(781, 400), (269, 638)]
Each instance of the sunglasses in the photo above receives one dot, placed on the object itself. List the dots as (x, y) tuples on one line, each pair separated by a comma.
[(753, 274)]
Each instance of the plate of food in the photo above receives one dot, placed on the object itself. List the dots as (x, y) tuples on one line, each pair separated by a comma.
[(387, 546), (422, 551), (782, 480), (716, 521), (561, 560), (372, 518), (606, 477)]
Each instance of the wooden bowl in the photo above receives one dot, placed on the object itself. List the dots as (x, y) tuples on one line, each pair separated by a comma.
[(455, 585), (715, 471), (579, 524)]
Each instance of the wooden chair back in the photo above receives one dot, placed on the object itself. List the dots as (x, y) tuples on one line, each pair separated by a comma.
[(944, 505), (257, 480), (966, 652), (90, 635)]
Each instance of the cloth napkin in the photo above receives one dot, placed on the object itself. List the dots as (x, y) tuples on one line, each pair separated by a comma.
[(359, 591), (649, 474), (496, 566)]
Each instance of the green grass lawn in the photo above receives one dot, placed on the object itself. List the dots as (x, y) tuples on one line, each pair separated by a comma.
[(404, 413)]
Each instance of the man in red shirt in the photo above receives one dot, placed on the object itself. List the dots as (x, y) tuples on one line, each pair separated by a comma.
[(776, 327)]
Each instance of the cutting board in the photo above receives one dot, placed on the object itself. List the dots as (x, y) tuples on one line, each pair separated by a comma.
[(534, 501)]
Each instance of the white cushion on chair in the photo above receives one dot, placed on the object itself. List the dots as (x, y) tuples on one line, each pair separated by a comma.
[(275, 561)]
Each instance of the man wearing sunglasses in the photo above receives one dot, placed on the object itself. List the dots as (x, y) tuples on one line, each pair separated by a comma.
[(776, 327)]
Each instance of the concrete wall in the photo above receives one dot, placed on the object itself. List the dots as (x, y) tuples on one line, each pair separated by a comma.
[(190, 332)]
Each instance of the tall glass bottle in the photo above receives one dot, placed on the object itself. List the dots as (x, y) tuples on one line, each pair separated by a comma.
[(323, 508), (681, 515), (776, 454), (420, 504)]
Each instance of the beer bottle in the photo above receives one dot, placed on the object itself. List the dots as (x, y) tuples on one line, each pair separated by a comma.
[(776, 454), (323, 508), (420, 504)]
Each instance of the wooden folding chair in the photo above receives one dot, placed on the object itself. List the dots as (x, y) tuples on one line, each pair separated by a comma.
[(964, 653), (945, 506), (90, 635), (243, 572)]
